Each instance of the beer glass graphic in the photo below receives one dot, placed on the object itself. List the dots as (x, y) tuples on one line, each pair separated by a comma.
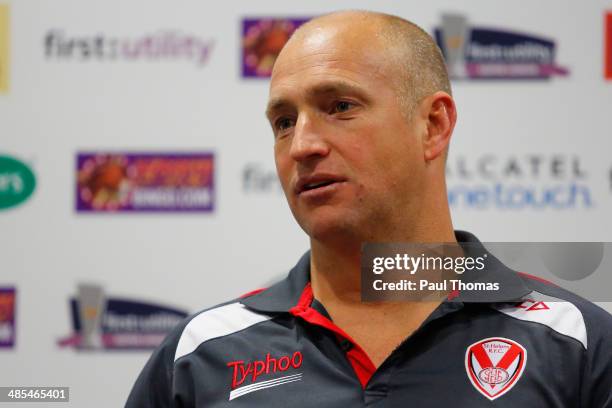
[(91, 308), (455, 36)]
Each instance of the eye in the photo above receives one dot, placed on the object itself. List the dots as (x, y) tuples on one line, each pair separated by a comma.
[(283, 124), (342, 106)]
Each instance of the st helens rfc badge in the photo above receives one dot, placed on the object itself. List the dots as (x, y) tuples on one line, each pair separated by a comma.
[(494, 365)]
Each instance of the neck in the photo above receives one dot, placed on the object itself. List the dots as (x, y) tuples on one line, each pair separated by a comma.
[(335, 267)]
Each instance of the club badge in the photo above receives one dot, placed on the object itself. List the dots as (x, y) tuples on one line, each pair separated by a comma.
[(494, 365)]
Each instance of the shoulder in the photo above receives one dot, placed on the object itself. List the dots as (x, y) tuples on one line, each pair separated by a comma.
[(213, 323), (158, 385), (562, 311)]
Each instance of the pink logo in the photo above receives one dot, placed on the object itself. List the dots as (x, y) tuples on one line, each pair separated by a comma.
[(531, 305)]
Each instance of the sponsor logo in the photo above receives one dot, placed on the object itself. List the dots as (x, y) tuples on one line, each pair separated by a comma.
[(17, 182), (248, 372), (532, 181), (164, 45), (257, 178), (4, 48), (494, 365), (262, 40), (144, 182), (7, 317), (608, 46), (485, 53), (100, 322)]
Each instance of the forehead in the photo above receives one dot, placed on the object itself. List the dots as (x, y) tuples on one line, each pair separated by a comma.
[(324, 55)]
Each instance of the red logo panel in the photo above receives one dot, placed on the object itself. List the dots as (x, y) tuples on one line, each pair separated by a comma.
[(608, 46), (494, 365)]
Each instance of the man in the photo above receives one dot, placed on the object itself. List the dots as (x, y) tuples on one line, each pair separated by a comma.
[(362, 114)]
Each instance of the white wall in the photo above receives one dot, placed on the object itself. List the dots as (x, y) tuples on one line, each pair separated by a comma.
[(57, 107)]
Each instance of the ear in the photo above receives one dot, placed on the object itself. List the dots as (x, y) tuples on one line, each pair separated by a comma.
[(441, 116)]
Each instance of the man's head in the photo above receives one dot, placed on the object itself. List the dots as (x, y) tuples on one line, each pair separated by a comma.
[(361, 102)]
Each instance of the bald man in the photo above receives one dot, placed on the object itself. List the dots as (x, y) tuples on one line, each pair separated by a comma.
[(362, 114)]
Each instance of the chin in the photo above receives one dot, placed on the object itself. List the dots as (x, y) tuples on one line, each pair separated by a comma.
[(330, 228)]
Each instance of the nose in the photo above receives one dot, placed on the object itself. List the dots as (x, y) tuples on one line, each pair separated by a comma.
[(308, 140)]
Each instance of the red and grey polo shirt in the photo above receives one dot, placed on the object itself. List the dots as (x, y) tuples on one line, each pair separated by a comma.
[(534, 345)]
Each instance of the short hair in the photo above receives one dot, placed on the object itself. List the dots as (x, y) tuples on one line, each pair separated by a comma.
[(413, 50), (421, 59)]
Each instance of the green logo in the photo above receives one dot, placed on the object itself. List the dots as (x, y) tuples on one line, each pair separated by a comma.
[(17, 182)]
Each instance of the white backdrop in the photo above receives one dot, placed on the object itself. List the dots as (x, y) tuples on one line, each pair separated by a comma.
[(56, 107)]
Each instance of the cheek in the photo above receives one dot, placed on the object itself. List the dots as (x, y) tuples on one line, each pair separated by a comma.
[(283, 168), (390, 167)]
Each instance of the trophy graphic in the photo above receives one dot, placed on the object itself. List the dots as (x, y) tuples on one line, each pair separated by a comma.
[(455, 36), (91, 305)]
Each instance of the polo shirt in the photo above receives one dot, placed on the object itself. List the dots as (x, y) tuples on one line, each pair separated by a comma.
[(531, 345)]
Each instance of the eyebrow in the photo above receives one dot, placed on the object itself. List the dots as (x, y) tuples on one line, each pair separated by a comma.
[(332, 87)]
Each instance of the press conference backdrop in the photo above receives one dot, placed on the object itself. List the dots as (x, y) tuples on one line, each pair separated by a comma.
[(137, 181)]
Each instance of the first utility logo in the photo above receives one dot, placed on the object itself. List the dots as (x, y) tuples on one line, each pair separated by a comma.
[(248, 373), (162, 45), (475, 52)]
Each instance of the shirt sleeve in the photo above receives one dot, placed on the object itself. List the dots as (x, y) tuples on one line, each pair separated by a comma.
[(154, 386), (597, 381)]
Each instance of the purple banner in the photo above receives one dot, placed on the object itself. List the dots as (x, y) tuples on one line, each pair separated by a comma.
[(473, 52), (7, 317), (144, 182), (107, 323), (262, 41)]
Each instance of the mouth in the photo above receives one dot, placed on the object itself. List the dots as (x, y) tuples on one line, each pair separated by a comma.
[(316, 183)]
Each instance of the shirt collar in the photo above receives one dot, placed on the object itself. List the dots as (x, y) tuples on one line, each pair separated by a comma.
[(511, 285), (286, 294)]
